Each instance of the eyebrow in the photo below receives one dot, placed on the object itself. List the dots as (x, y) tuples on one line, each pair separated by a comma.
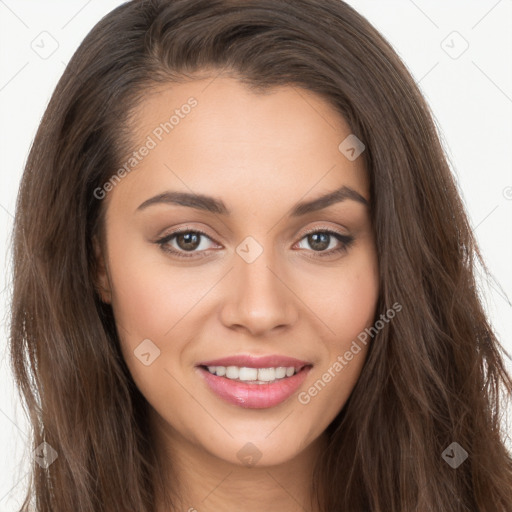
[(217, 206)]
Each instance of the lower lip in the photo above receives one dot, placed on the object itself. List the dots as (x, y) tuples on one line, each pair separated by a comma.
[(254, 396)]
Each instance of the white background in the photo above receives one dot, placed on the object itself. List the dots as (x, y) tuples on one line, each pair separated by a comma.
[(471, 97)]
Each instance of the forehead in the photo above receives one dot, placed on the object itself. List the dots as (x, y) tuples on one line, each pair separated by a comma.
[(216, 136)]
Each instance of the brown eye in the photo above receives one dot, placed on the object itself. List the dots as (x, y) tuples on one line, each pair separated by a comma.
[(327, 242), (188, 241), (182, 242), (319, 241)]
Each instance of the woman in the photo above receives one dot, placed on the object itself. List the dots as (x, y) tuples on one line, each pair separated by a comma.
[(244, 278)]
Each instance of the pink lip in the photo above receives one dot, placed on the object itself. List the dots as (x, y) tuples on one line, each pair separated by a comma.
[(255, 396)]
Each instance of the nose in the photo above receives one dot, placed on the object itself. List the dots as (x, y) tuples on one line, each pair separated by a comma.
[(258, 298)]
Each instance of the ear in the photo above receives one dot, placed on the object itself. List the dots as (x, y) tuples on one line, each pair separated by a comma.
[(101, 277)]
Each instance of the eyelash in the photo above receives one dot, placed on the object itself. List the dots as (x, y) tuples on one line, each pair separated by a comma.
[(346, 242)]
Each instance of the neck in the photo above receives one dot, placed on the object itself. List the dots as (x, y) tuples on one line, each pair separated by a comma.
[(204, 483)]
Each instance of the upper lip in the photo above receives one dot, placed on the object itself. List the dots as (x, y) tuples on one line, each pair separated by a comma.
[(248, 361)]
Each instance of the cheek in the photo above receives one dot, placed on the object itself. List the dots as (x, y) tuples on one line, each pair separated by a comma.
[(154, 300), (356, 304), (348, 309), (150, 301), (150, 296), (348, 298)]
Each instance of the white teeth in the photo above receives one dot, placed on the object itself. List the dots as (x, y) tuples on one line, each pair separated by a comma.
[(248, 373), (267, 374), (280, 372), (232, 372), (255, 375)]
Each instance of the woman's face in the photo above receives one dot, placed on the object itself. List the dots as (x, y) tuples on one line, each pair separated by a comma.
[(264, 278)]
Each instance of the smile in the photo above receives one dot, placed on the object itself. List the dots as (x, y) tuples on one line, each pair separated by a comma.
[(252, 375), (256, 382)]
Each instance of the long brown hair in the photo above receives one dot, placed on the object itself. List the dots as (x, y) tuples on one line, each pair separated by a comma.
[(435, 375)]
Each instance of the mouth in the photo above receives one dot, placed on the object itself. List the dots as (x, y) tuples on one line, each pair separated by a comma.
[(254, 382), (253, 375)]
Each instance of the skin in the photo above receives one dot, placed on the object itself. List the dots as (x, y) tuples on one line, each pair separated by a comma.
[(260, 154)]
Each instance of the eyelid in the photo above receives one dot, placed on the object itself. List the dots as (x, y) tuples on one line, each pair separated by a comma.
[(322, 228), (345, 240), (184, 229), (187, 228)]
